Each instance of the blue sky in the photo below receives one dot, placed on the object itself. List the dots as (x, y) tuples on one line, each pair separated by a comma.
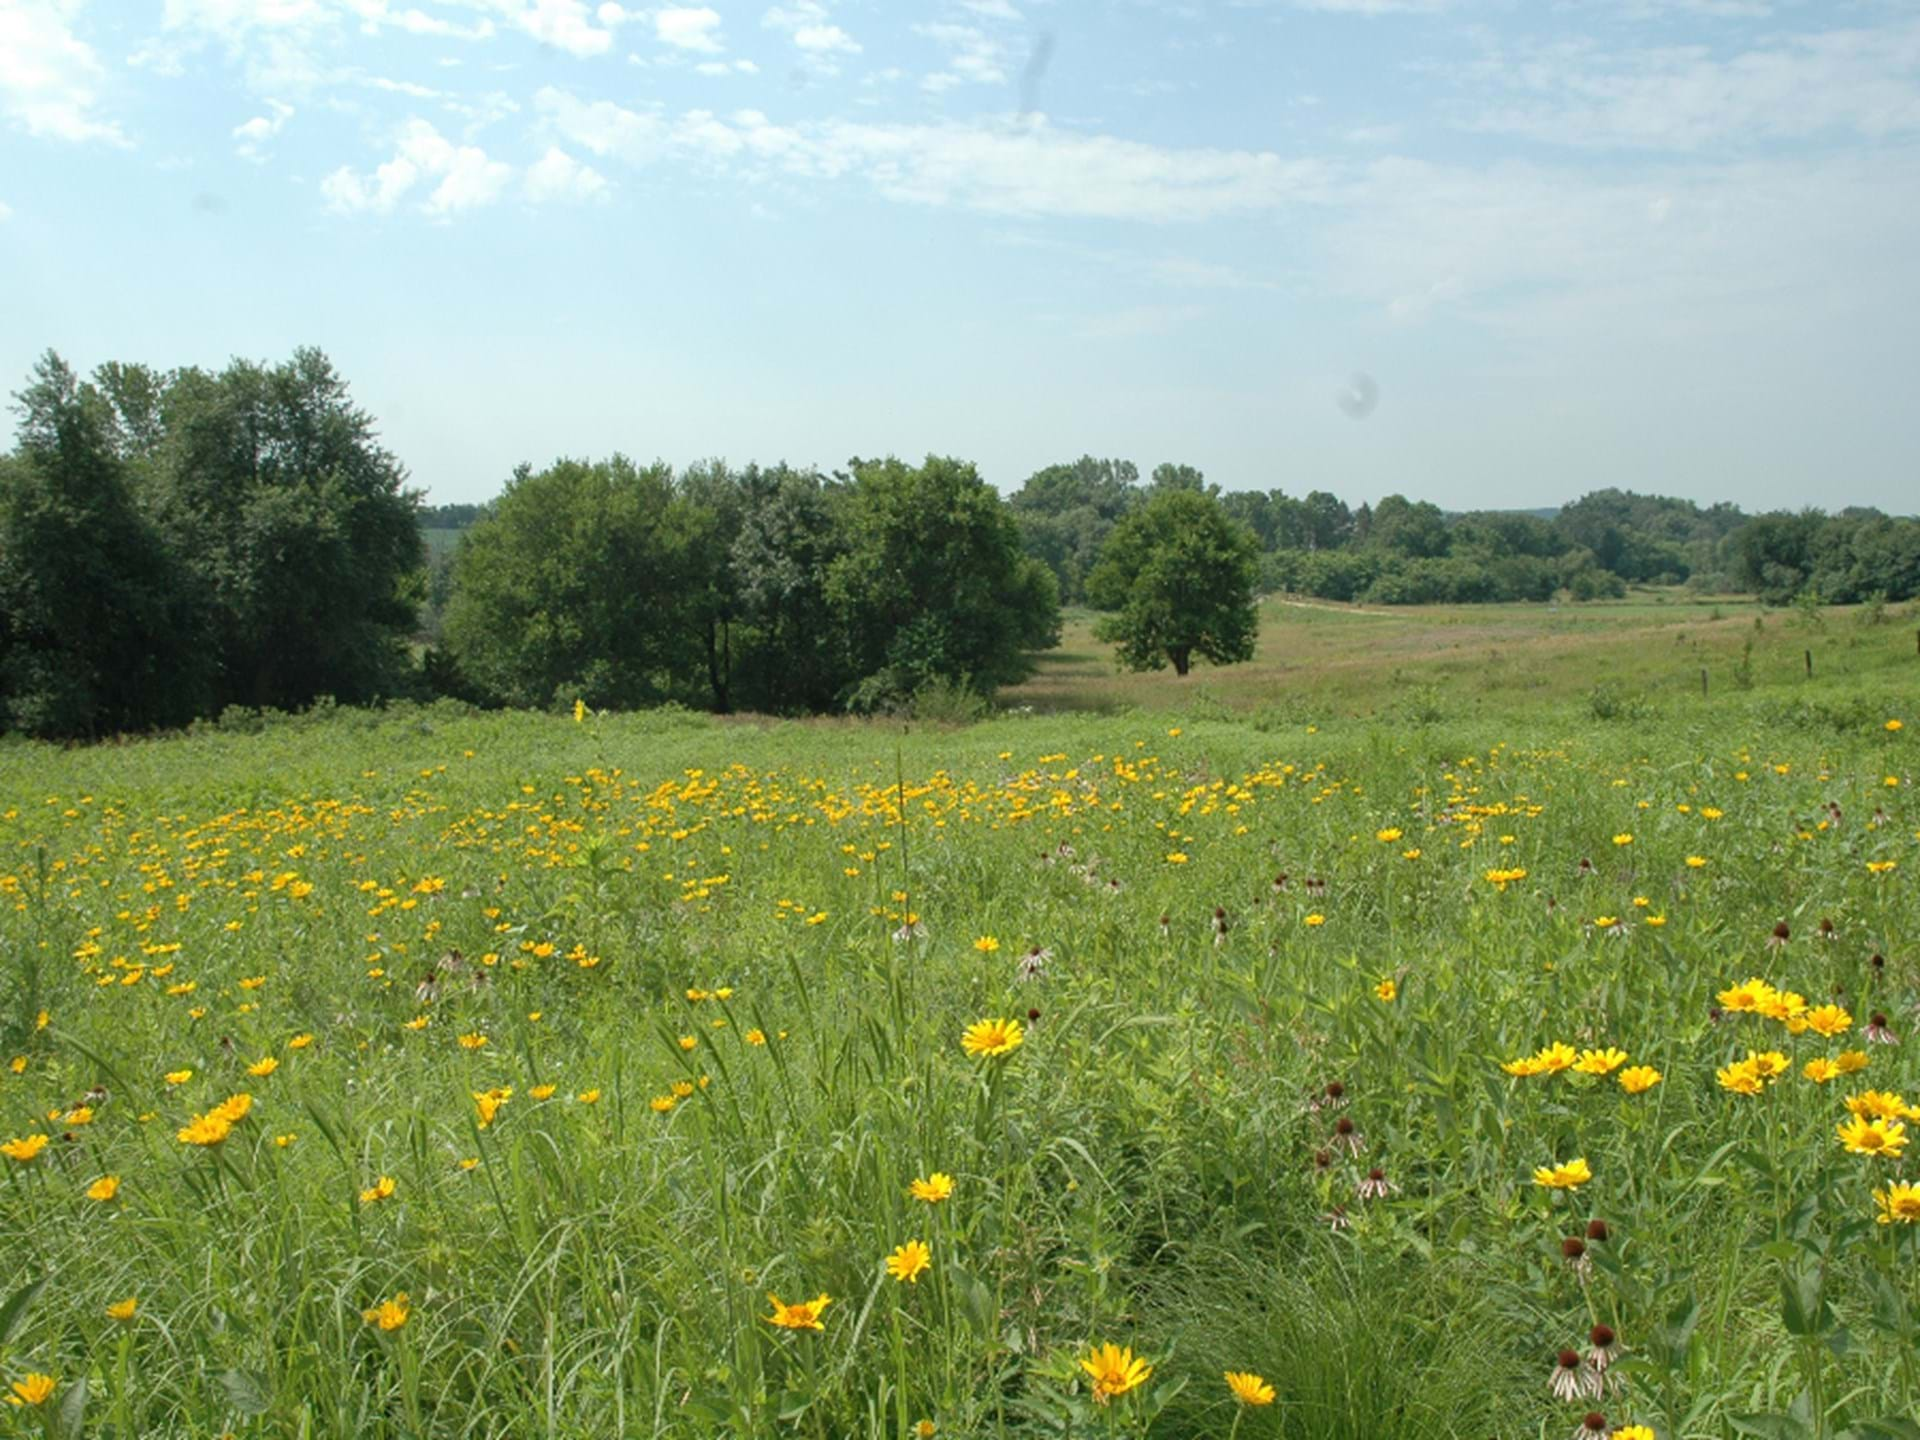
[(1664, 244)]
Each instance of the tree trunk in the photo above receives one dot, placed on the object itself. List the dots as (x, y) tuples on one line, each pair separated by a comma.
[(1182, 658), (718, 666)]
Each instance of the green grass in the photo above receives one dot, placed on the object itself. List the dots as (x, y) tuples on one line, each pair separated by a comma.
[(1141, 1170)]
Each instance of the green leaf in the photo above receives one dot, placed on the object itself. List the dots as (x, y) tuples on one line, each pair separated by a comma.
[(13, 1314), (246, 1391), (1772, 1427), (70, 1419), (1892, 1428)]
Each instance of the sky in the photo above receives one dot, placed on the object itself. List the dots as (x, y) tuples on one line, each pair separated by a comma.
[(1484, 254)]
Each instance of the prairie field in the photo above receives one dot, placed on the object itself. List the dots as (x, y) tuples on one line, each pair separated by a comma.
[(1451, 1018)]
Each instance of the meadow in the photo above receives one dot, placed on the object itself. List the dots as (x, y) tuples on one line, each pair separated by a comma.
[(1450, 1024)]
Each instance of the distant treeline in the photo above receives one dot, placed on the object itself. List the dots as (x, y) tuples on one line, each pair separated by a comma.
[(1405, 552), (176, 543)]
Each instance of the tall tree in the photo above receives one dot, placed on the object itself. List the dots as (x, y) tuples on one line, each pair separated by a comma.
[(99, 627), (1180, 574), (933, 583)]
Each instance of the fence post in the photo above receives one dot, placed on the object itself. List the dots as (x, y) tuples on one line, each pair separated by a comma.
[(1809, 655)]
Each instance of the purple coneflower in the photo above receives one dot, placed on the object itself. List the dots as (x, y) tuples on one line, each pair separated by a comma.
[(1602, 1346), (1781, 934), (1376, 1186), (1572, 1378), (1347, 1137), (1877, 1031)]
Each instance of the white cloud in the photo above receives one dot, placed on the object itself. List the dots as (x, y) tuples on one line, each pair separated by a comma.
[(973, 57), (1858, 83), (565, 24), (48, 75), (809, 23), (1033, 169), (557, 176), (251, 136), (467, 177), (689, 28), (726, 67)]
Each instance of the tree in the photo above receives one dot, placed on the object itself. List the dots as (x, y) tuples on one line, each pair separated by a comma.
[(1180, 574), (793, 658), (581, 582), (273, 487), (933, 584), (1066, 512), (99, 630)]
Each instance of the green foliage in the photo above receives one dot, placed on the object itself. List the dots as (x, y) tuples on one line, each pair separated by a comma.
[(579, 584), (1180, 574)]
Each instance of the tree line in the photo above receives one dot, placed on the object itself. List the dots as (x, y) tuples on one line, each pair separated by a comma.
[(174, 543)]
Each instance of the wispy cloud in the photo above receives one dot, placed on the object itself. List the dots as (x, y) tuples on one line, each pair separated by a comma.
[(461, 177), (49, 77)]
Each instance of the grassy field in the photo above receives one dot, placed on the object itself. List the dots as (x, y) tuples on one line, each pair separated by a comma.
[(1461, 1052), (1320, 660)]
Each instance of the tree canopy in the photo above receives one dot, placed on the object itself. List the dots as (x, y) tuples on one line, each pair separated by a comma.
[(1179, 574)]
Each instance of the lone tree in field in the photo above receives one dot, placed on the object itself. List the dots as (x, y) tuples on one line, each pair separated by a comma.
[(1179, 571)]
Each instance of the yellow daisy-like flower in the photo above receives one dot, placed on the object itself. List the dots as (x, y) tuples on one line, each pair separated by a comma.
[(1634, 1432), (206, 1130), (935, 1188), (381, 1189), (23, 1151), (909, 1262), (1877, 1105), (1820, 1070), (1600, 1062), (123, 1310), (1570, 1176), (1899, 1202), (1851, 1061), (488, 1102), (36, 1389), (992, 1037), (1742, 1078), (1385, 837), (1638, 1079), (263, 1067), (1115, 1371), (178, 1077), (1526, 1065), (1862, 1136), (1829, 1020), (662, 1104), (803, 1316), (986, 944), (104, 1189), (542, 1092), (1248, 1388), (588, 1097), (388, 1314), (1749, 995), (1387, 991)]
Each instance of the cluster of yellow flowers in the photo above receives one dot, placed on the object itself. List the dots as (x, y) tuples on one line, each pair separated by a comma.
[(1561, 1057)]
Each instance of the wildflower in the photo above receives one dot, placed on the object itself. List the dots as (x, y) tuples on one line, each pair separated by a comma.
[(1900, 1202), (1820, 1070), (1696, 862), (1633, 1432), (1638, 1079), (1781, 934), (756, 1036), (1315, 919), (263, 1067), (24, 1151), (1334, 1095), (986, 944), (1376, 1186), (542, 1092), (1877, 1105), (1600, 1062), (1572, 1377), (178, 1077), (36, 1389), (472, 1040), (1829, 1020), (1877, 1031), (389, 1315), (926, 1430), (935, 1188), (104, 1189), (1115, 1371), (1574, 1251), (1742, 1078), (488, 1103), (1386, 836), (1602, 1347), (1248, 1388), (381, 1189), (1597, 1231), (689, 1042), (1555, 1058), (1387, 991), (1894, 727), (992, 1037), (1033, 962), (1767, 1064), (300, 1042), (588, 1097), (1862, 1136), (1592, 1426), (803, 1316), (1347, 1136), (909, 1262), (1570, 1176), (122, 1310), (206, 1130)]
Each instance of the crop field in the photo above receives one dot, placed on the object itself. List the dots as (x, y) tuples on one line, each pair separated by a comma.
[(1501, 1063)]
